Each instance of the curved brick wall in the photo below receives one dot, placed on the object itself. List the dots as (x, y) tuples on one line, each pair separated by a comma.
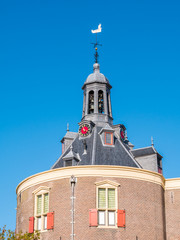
[(142, 199)]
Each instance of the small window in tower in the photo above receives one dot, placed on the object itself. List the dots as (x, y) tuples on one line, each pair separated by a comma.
[(100, 102), (108, 138), (91, 102), (68, 163)]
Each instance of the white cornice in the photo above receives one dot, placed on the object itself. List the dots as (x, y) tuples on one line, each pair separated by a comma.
[(91, 171), (173, 183)]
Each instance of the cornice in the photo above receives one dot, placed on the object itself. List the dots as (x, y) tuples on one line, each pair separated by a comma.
[(91, 171), (173, 183)]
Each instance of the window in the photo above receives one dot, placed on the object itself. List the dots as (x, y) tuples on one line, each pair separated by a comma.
[(106, 206), (68, 163), (100, 102), (107, 203), (43, 219), (108, 138), (107, 213), (42, 208), (91, 102)]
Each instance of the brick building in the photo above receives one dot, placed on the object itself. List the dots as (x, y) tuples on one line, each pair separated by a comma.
[(100, 188)]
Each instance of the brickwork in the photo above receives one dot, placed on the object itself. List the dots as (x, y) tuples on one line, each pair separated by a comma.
[(143, 202), (172, 200)]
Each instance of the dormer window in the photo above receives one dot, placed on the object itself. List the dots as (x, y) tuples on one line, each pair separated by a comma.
[(108, 138), (68, 163), (71, 158)]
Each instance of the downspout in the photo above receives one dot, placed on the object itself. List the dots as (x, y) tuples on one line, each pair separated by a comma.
[(94, 146), (72, 181)]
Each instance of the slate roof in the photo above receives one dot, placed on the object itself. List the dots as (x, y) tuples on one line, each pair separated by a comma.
[(70, 135), (98, 154), (96, 76), (145, 151)]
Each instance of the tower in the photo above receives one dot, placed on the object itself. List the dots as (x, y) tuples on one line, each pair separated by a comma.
[(97, 101), (100, 187)]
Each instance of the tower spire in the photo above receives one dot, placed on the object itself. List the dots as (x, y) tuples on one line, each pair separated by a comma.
[(152, 141)]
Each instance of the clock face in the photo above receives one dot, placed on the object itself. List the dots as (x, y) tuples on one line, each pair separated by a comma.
[(122, 134), (84, 130)]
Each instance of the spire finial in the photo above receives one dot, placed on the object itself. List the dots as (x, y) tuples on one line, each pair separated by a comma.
[(96, 55), (67, 127), (152, 141)]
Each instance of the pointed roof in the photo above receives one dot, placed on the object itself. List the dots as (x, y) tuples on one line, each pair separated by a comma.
[(119, 154)]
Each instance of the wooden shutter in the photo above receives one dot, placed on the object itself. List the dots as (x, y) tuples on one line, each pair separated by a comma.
[(93, 218), (31, 224), (121, 218), (50, 220)]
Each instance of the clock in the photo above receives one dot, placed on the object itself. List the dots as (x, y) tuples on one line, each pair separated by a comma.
[(84, 130), (122, 133)]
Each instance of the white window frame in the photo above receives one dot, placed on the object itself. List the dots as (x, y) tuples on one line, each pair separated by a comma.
[(41, 191), (107, 184)]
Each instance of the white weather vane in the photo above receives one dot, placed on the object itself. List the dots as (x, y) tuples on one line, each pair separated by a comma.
[(97, 30)]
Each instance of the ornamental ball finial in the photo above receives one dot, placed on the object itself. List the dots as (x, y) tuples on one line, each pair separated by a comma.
[(96, 67)]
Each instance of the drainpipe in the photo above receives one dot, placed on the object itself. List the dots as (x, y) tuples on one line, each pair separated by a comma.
[(72, 181)]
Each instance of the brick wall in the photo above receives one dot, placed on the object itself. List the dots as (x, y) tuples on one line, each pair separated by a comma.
[(143, 202), (172, 200)]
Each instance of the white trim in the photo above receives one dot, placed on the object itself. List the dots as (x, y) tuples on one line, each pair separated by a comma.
[(89, 170), (41, 189), (141, 148), (115, 184), (173, 183)]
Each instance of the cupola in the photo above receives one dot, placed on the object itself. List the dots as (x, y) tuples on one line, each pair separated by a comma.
[(97, 102)]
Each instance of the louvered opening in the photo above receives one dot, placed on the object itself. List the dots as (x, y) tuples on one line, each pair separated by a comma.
[(111, 198), (39, 204), (46, 202), (102, 198)]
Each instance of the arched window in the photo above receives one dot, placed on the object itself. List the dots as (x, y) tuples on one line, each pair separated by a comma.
[(91, 102), (100, 102)]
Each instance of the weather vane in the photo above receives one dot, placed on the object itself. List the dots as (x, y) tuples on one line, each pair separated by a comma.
[(96, 55)]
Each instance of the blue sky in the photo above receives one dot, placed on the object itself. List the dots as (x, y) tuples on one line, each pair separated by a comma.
[(45, 57)]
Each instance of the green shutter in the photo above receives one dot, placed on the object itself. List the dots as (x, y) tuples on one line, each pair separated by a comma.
[(39, 204), (102, 198), (111, 198), (46, 202)]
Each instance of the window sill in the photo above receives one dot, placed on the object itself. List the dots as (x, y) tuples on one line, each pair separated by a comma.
[(41, 231), (108, 227), (108, 145)]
